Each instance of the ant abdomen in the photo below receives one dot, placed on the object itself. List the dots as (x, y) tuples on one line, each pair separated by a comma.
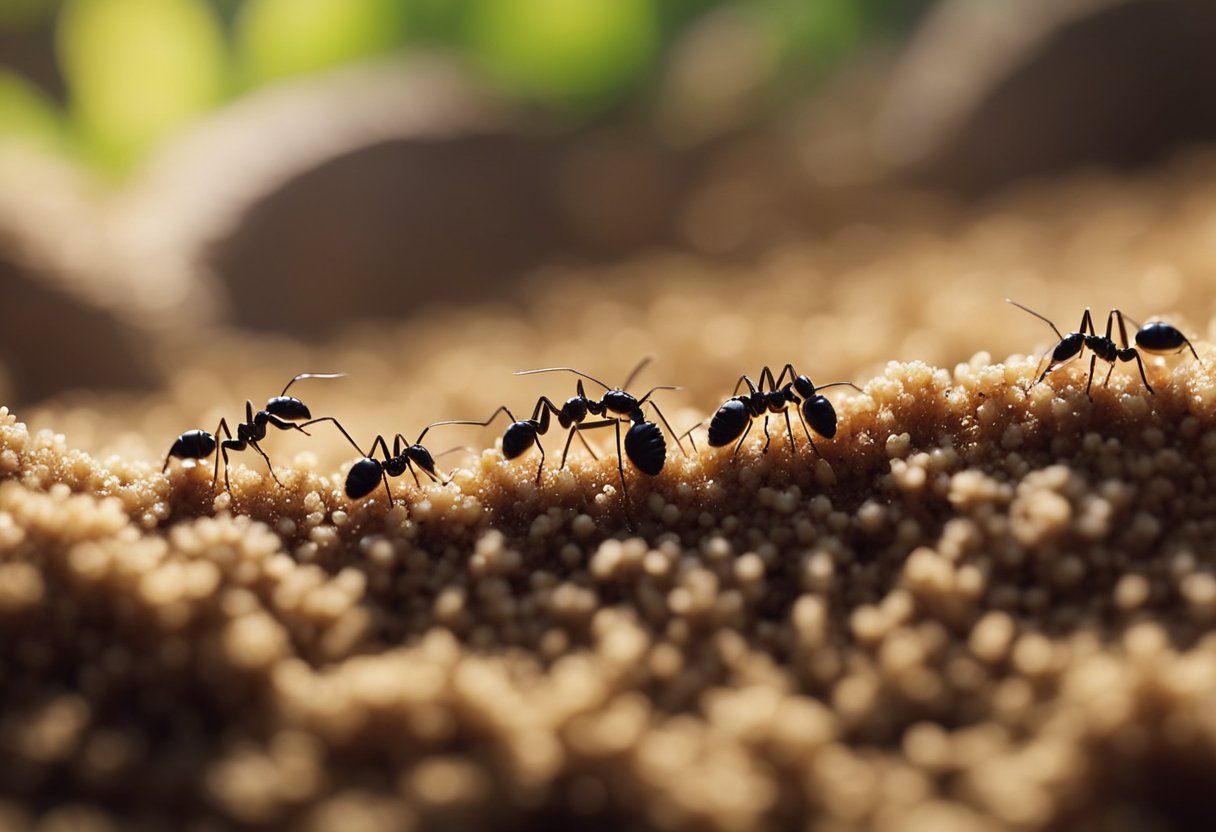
[(518, 438), (193, 444), (646, 448), (363, 478), (730, 420), (1161, 338)]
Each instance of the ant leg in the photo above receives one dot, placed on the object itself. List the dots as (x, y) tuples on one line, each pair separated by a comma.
[(258, 448), (767, 439), (414, 474), (789, 429), (1087, 321), (215, 475), (1050, 366), (1106, 381), (338, 424), (1191, 348), (541, 467), (379, 440), (739, 444), (282, 425), (1093, 360), (691, 440), (566, 450), (788, 369), (482, 424), (750, 386), (807, 431), (1139, 363), (400, 443), (586, 445), (667, 425), (1122, 329), (620, 466), (603, 423)]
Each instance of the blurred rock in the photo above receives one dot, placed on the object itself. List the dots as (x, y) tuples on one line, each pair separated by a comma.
[(54, 340), (386, 230), (989, 93)]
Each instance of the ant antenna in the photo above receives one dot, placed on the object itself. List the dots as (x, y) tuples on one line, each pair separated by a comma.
[(562, 370), (650, 392), (456, 422), (838, 384), (1037, 315), (636, 370), (310, 375)]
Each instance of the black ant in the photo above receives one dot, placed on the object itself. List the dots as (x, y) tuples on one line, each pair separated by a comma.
[(281, 411), (1156, 337), (644, 444), (368, 472), (733, 420)]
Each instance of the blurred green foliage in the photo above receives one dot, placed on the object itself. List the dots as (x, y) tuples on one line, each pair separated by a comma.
[(29, 117), (280, 38), (137, 71), (578, 53)]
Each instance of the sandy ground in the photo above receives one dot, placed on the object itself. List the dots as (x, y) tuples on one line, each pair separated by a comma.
[(987, 604)]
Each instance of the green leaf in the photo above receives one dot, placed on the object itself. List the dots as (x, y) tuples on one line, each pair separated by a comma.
[(282, 38), (137, 72), (578, 52), (28, 117)]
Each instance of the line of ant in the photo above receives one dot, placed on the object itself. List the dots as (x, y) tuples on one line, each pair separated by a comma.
[(643, 443)]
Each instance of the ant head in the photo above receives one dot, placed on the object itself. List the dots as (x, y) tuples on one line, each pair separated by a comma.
[(804, 387), (421, 457)]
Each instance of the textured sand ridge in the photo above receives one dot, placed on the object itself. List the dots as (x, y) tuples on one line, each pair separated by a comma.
[(990, 605), (987, 606)]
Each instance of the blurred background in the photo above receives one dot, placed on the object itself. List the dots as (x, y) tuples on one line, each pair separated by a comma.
[(201, 198)]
